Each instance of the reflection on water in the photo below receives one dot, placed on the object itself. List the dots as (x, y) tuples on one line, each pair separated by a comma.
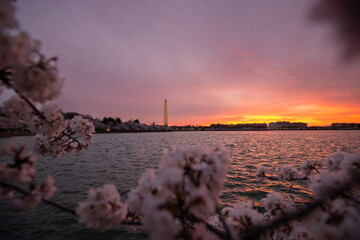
[(121, 159)]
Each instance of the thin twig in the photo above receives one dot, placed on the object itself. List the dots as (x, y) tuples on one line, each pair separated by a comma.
[(54, 204), (291, 188)]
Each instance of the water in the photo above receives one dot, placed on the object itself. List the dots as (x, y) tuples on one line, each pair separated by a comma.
[(121, 159)]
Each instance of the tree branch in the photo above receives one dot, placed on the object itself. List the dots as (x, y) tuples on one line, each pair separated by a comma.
[(211, 228), (258, 230), (31, 105), (49, 202), (36, 111), (292, 179)]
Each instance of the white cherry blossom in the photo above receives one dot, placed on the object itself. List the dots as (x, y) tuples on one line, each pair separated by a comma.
[(102, 209)]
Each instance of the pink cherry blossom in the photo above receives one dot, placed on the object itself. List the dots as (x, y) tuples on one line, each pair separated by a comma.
[(102, 209)]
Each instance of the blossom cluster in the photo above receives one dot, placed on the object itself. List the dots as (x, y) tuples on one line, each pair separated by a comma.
[(340, 169), (102, 209), (22, 172), (74, 136), (290, 173), (188, 184), (333, 183), (40, 81), (243, 217), (22, 66), (55, 136)]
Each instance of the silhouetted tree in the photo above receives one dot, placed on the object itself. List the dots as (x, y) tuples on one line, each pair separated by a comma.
[(87, 116), (111, 120), (107, 120), (118, 120), (70, 115)]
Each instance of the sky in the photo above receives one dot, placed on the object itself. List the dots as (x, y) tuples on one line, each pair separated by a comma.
[(214, 61)]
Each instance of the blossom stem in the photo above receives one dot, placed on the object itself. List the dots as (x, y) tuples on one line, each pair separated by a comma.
[(228, 234), (211, 228), (49, 202), (291, 188), (31, 105)]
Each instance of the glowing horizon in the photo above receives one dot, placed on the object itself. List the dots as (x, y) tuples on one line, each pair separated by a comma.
[(325, 116)]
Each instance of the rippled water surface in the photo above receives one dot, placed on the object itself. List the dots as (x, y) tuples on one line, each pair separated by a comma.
[(121, 159)]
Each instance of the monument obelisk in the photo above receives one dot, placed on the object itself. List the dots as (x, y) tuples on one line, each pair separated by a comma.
[(165, 113)]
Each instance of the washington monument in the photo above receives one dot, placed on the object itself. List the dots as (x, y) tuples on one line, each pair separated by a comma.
[(165, 113)]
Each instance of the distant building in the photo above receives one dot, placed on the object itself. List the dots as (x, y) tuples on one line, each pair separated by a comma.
[(279, 125), (287, 125), (239, 126), (345, 125), (298, 125)]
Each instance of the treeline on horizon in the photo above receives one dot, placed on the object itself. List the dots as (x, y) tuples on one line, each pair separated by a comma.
[(110, 124), (107, 124)]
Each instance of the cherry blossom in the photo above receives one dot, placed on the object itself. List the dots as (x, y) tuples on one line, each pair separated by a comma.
[(160, 224), (7, 11), (338, 219), (102, 209), (40, 82), (21, 173), (48, 188), (201, 232), (15, 50), (276, 205), (63, 136), (53, 124), (287, 172), (243, 217), (28, 201), (82, 129), (261, 172), (190, 179), (17, 110)]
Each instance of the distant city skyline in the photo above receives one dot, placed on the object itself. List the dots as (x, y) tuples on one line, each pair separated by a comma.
[(216, 61)]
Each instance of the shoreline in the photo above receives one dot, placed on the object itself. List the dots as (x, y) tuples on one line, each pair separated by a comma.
[(5, 135), (25, 134)]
